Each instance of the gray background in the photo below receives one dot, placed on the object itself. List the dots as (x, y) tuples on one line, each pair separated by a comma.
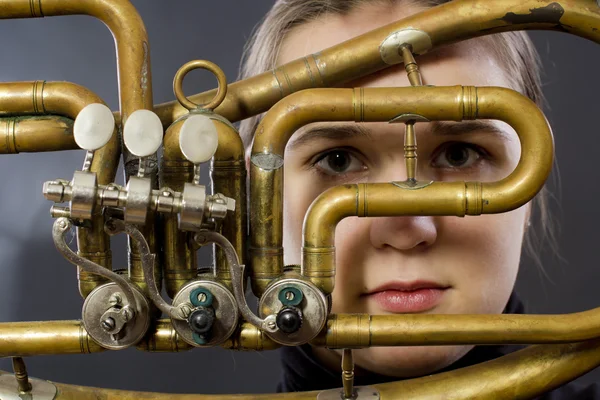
[(37, 284)]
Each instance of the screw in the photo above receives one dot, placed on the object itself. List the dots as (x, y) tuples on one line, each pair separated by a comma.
[(289, 295), (62, 224), (127, 314), (186, 310), (115, 299), (271, 324), (108, 324), (202, 297), (166, 194)]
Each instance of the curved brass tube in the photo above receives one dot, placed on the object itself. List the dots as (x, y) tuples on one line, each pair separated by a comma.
[(134, 77), (68, 99), (33, 134), (127, 28), (338, 64), (523, 374), (439, 198), (228, 174)]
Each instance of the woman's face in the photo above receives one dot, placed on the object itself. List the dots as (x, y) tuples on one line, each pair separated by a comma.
[(475, 258)]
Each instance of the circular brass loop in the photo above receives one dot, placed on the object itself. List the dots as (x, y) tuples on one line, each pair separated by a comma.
[(203, 64)]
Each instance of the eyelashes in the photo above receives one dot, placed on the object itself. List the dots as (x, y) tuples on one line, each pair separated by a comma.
[(449, 158)]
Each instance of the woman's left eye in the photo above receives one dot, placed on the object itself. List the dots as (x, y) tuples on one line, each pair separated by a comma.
[(457, 155)]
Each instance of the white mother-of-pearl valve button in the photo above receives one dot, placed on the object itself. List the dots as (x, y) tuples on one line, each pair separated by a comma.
[(93, 127), (143, 133), (198, 139)]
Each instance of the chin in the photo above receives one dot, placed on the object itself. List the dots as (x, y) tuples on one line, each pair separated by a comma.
[(408, 362)]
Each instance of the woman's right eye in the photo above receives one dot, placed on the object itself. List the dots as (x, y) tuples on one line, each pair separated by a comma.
[(338, 162)]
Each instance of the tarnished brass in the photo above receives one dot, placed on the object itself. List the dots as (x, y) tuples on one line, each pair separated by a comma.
[(63, 99), (22, 134), (569, 344)]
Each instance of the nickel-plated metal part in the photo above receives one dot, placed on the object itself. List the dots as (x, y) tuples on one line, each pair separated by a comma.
[(361, 393), (238, 280), (115, 226), (59, 229), (83, 194), (139, 191), (391, 48), (403, 118), (40, 389), (193, 207), (114, 327), (87, 162), (225, 311), (313, 307)]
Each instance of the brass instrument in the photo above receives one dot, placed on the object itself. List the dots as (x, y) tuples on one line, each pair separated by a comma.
[(167, 214)]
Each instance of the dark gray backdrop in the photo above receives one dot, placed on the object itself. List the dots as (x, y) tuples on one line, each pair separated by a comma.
[(37, 284)]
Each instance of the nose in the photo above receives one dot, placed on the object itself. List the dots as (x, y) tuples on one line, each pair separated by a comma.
[(401, 232)]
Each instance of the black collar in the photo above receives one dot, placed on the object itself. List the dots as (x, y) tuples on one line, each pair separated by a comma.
[(301, 371)]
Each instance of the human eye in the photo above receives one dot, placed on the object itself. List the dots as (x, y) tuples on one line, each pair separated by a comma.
[(337, 163), (459, 156)]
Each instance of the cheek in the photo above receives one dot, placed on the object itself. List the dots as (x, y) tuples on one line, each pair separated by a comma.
[(485, 253)]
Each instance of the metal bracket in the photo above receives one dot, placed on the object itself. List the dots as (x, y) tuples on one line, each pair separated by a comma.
[(390, 48), (41, 390)]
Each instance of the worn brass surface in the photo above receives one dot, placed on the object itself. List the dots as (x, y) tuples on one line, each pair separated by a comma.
[(445, 24), (524, 374), (22, 134)]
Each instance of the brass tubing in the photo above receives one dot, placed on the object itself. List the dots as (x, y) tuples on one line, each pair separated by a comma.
[(382, 104), (364, 330), (134, 77), (127, 28), (68, 99), (524, 374), (179, 257), (163, 339), (58, 98), (249, 337), (33, 134), (20, 339), (228, 176), (444, 24)]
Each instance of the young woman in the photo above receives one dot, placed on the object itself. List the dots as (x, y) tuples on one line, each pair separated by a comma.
[(451, 265)]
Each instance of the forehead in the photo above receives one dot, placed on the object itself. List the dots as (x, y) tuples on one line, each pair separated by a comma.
[(466, 63)]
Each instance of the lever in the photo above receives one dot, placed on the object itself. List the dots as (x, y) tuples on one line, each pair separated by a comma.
[(93, 128), (142, 135)]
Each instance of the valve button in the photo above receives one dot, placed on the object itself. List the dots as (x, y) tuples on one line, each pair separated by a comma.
[(198, 139), (143, 133), (93, 127), (201, 320), (289, 320)]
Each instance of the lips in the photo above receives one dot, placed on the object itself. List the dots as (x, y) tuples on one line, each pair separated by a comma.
[(407, 297)]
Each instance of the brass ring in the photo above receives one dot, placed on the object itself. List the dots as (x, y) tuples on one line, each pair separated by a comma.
[(221, 81)]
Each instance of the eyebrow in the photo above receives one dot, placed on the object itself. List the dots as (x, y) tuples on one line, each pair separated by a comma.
[(333, 132), (356, 130)]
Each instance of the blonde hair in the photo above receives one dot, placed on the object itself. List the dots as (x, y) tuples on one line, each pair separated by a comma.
[(513, 50)]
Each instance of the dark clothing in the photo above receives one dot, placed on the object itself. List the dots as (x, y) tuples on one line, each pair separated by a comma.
[(301, 371)]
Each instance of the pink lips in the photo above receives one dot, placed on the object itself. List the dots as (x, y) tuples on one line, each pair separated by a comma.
[(408, 297)]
